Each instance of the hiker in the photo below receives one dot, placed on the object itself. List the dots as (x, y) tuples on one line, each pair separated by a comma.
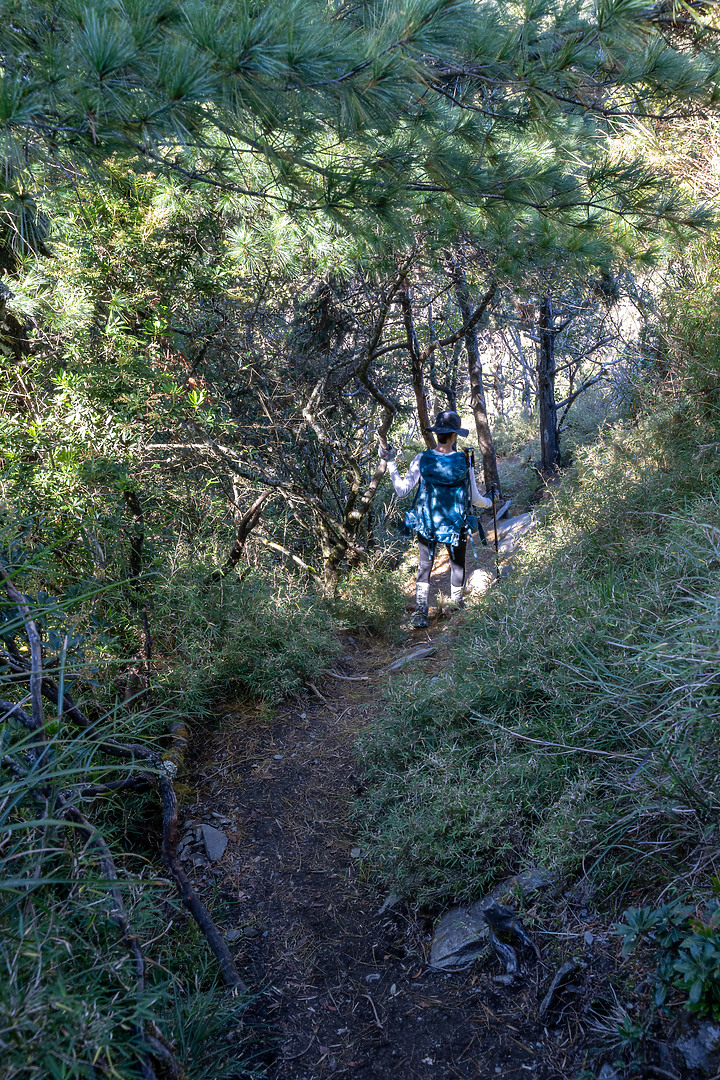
[(441, 510)]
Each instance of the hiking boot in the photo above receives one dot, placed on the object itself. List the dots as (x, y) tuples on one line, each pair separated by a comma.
[(420, 619)]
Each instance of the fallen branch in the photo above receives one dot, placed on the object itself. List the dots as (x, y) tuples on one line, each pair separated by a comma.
[(557, 745), (50, 688), (36, 669), (9, 708), (189, 897), (288, 554), (136, 783)]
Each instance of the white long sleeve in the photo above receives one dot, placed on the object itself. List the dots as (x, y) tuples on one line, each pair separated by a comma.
[(404, 487), (477, 498)]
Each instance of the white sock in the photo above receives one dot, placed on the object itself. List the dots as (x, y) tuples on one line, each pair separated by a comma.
[(456, 592), (422, 593)]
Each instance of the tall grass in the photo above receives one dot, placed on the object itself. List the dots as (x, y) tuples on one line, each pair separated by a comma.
[(575, 727)]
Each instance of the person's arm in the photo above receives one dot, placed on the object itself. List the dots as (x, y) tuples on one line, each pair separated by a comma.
[(404, 487), (477, 498)]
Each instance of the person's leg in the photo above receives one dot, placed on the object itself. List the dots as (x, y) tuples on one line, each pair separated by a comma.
[(457, 570), (422, 587)]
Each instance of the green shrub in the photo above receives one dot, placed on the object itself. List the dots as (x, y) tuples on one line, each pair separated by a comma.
[(70, 997), (518, 433), (687, 946), (370, 598), (519, 481), (242, 637)]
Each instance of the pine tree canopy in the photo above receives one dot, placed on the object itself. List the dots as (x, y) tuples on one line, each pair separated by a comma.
[(443, 106)]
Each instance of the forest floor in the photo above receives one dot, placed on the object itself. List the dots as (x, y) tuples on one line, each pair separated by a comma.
[(342, 977)]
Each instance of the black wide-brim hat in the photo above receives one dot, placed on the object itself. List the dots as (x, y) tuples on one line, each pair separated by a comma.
[(448, 423)]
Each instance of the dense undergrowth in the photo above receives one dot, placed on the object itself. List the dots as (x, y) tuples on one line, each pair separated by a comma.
[(71, 1002), (575, 725)]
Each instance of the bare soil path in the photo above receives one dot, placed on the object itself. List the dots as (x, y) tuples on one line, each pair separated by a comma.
[(341, 971), (344, 987)]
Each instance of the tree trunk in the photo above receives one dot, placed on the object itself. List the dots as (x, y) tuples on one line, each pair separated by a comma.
[(416, 368), (549, 439), (245, 523), (477, 394)]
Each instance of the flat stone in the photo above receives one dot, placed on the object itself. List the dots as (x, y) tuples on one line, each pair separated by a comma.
[(480, 581), (233, 935), (529, 882), (414, 654), (562, 976), (390, 902), (460, 938), (516, 526), (702, 1050), (215, 842), (608, 1073)]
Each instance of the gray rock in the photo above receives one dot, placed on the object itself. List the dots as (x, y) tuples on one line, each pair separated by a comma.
[(414, 654), (480, 581), (562, 976), (511, 530), (199, 860), (233, 935), (251, 931), (608, 1073), (529, 882), (460, 938), (390, 902), (505, 980), (215, 842), (702, 1050)]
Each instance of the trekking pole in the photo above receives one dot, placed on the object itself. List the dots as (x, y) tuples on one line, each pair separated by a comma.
[(497, 553)]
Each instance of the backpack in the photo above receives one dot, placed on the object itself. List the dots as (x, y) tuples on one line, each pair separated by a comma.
[(441, 509)]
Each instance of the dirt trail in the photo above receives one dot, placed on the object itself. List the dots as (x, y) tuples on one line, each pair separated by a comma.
[(345, 985)]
